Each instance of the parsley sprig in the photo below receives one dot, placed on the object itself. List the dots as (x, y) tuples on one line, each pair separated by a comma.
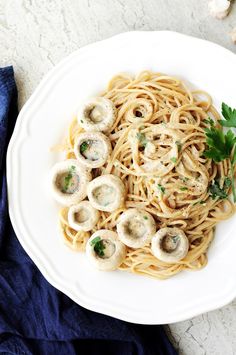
[(221, 146)]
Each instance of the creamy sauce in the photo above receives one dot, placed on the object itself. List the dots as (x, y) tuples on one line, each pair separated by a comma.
[(135, 228), (94, 150), (67, 183), (170, 243), (104, 195)]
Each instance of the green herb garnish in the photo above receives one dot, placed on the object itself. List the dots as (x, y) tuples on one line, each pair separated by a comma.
[(84, 147), (209, 121), (230, 116), (183, 188), (173, 159), (161, 188), (68, 177), (179, 145), (227, 182), (221, 145), (142, 139), (217, 192), (98, 246), (175, 238), (145, 217)]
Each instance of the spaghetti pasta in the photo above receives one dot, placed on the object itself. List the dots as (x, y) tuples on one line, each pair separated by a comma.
[(158, 142)]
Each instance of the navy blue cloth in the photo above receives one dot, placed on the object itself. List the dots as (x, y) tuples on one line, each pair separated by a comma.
[(35, 318)]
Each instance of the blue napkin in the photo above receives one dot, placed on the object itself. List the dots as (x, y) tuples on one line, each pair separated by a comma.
[(35, 318)]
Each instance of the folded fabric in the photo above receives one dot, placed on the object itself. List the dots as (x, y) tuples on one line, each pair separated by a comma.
[(35, 318)]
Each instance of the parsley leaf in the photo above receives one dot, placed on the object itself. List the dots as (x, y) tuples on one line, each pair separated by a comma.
[(161, 188), (229, 115), (216, 191), (98, 246), (209, 121), (227, 182), (145, 217), (183, 188), (173, 159), (83, 147), (179, 145), (68, 177), (220, 144), (175, 238), (142, 139)]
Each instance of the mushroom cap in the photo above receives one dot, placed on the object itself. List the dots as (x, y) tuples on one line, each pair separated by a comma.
[(106, 192), (82, 217), (136, 227), (170, 245), (116, 249), (96, 152), (64, 172), (96, 114)]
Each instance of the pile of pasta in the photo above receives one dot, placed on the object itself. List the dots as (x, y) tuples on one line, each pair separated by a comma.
[(158, 141)]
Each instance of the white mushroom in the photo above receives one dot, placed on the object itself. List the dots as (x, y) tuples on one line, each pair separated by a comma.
[(106, 192), (135, 227), (97, 114), (170, 245), (68, 182), (92, 149), (82, 217), (105, 251), (219, 8)]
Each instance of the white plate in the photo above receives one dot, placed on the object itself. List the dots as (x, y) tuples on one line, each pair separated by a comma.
[(43, 122)]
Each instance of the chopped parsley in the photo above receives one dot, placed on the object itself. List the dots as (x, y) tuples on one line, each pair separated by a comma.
[(227, 182), (173, 159), (98, 245), (161, 188), (84, 147), (179, 145), (142, 139), (183, 188), (145, 217), (175, 238), (68, 177), (217, 192)]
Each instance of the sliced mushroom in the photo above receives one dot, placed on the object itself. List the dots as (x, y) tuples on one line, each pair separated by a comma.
[(97, 114), (105, 251), (68, 182), (106, 193), (92, 149), (82, 217), (135, 227), (170, 244)]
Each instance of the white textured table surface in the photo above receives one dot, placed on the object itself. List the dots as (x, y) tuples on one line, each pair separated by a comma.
[(36, 34)]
